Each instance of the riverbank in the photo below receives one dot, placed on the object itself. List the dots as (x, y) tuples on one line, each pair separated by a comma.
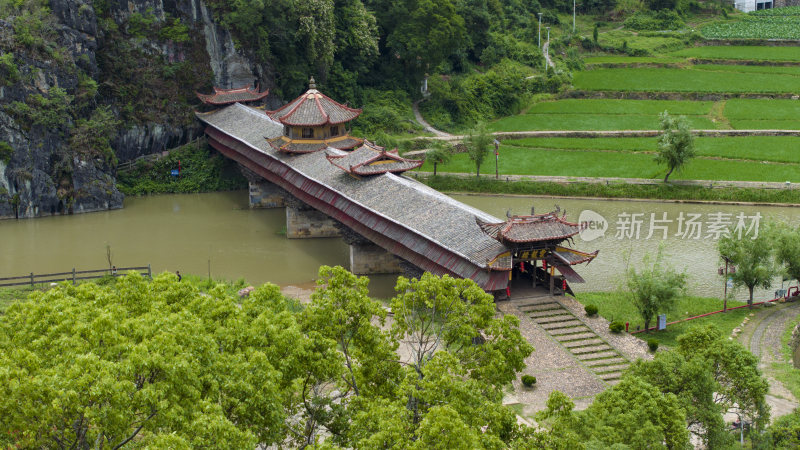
[(614, 191)]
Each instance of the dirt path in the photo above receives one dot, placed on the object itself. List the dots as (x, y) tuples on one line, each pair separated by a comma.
[(762, 335), (428, 127)]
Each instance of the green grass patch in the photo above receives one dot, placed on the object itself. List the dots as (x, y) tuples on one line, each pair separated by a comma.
[(684, 80), (531, 122), (767, 109), (765, 124), (639, 44), (770, 70), (589, 163), (785, 372), (741, 52), (618, 306), (616, 59), (661, 191), (756, 148), (625, 107)]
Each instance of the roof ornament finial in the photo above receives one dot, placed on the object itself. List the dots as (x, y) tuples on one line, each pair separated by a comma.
[(312, 84)]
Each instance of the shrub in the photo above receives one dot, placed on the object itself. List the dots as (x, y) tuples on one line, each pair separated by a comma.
[(590, 310), (5, 151), (652, 344), (528, 380), (616, 326), (654, 21)]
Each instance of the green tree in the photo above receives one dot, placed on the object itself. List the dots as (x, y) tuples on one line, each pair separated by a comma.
[(440, 154), (456, 355), (655, 288), (753, 258), (430, 32), (632, 414), (478, 144), (711, 376), (784, 433), (676, 143), (89, 366), (787, 248)]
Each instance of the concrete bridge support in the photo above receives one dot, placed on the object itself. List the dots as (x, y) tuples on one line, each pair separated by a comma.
[(264, 194), (309, 223), (368, 259)]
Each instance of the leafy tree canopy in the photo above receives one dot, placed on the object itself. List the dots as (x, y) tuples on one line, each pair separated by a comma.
[(676, 143)]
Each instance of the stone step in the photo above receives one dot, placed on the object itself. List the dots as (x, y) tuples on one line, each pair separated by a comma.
[(610, 368), (614, 382), (595, 364), (610, 376), (561, 332), (562, 324), (582, 343), (597, 355), (547, 313), (564, 338), (591, 349), (530, 307), (555, 318)]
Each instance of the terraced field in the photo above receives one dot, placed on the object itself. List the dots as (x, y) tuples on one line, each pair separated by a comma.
[(776, 159), (686, 80), (741, 52), (592, 114)]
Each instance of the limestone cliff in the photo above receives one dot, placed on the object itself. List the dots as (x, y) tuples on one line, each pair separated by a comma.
[(101, 82)]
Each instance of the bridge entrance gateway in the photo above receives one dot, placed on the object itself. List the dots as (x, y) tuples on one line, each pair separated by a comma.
[(302, 157)]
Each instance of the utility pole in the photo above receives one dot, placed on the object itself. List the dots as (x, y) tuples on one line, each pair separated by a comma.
[(573, 16), (540, 30)]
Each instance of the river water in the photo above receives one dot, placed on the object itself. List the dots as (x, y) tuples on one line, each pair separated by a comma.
[(195, 233)]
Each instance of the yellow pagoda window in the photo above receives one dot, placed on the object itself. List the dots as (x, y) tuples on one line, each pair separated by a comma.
[(308, 133), (334, 131)]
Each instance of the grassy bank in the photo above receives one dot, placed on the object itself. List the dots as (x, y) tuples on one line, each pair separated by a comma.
[(617, 306), (654, 192), (202, 170), (785, 372)]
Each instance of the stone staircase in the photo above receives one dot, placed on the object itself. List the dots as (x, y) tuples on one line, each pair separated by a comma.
[(586, 346)]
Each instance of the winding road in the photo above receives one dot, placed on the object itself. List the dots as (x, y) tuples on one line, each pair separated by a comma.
[(762, 335)]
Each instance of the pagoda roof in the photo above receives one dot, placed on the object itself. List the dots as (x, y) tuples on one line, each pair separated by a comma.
[(313, 108), (537, 228), (571, 256), (371, 159), (299, 146), (228, 96)]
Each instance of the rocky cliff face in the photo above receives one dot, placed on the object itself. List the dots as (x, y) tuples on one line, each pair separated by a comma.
[(139, 59)]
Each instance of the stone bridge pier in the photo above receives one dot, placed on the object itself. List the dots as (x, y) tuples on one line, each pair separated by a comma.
[(303, 222)]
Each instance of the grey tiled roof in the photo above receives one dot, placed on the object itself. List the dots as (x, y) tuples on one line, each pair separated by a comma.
[(312, 109), (573, 257), (423, 211), (544, 227), (227, 96), (370, 159)]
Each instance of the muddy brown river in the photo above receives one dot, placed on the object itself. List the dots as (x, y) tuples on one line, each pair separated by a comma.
[(194, 231)]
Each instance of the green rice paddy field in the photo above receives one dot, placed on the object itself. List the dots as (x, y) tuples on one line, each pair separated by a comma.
[(751, 158), (708, 79), (741, 52), (593, 114)]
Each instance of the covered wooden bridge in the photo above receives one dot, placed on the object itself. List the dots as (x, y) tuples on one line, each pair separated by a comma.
[(305, 149)]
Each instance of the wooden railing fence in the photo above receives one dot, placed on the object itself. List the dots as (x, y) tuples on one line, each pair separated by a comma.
[(33, 279)]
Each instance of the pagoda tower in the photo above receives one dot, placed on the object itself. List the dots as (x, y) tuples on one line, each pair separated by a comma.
[(313, 122)]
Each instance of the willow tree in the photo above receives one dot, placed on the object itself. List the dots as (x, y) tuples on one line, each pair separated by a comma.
[(655, 288), (478, 144), (753, 258), (675, 144)]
